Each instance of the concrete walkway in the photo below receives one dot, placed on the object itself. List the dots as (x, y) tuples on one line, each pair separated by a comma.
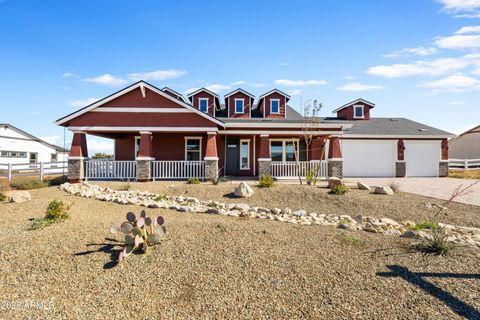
[(440, 188)]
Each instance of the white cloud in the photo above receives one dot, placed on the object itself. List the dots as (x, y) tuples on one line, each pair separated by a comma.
[(295, 92), (56, 140), (215, 87), (455, 83), (350, 78), (158, 75), (460, 5), (68, 75), (459, 41), (300, 83), (238, 83), (357, 86), (82, 102), (468, 29), (106, 79), (99, 145), (246, 83), (419, 51)]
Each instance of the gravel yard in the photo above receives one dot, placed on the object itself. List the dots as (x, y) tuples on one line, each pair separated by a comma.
[(213, 266)]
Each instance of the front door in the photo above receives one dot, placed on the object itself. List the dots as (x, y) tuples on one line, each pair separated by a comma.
[(232, 165)]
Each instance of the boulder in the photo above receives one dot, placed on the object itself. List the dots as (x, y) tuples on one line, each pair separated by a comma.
[(383, 190), (334, 181), (19, 196), (243, 190), (392, 232), (242, 207), (300, 213), (363, 186)]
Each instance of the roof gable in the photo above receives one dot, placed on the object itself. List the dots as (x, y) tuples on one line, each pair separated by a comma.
[(28, 136), (204, 90), (272, 91), (175, 93), (359, 100), (239, 90)]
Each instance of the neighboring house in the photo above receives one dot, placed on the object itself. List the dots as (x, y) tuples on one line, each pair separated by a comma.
[(466, 145), (18, 146), (160, 134)]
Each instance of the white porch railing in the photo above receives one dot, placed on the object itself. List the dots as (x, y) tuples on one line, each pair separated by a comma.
[(38, 169), (289, 169), (178, 169), (101, 169), (464, 164)]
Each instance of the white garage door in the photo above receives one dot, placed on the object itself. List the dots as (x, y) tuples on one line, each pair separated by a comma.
[(369, 158), (422, 158)]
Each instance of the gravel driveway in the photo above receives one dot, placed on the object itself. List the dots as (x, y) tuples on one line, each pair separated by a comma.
[(440, 188)]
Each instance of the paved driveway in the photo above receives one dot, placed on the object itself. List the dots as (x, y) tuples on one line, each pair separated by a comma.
[(440, 188)]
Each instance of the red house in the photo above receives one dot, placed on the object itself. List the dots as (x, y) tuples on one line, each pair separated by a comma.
[(159, 134)]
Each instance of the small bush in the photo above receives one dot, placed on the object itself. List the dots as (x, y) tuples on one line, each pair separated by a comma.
[(425, 225), (3, 197), (311, 177), (161, 197), (338, 190), (352, 239), (221, 227), (394, 186), (58, 180), (193, 181), (29, 184), (266, 181), (56, 211), (437, 244), (125, 186)]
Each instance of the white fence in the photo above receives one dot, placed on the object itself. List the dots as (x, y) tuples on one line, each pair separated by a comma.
[(102, 169), (464, 164), (37, 169), (178, 169), (289, 169)]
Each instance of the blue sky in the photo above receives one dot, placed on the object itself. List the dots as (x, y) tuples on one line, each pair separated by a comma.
[(418, 59)]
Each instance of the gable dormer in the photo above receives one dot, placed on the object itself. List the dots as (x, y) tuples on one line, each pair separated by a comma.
[(205, 101), (239, 103), (355, 110), (174, 94), (273, 104)]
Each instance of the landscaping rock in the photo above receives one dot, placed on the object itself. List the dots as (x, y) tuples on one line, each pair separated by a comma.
[(299, 213), (19, 196), (363, 186), (243, 190), (392, 232), (334, 181), (383, 190), (287, 211)]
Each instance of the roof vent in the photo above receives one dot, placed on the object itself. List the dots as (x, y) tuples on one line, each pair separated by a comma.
[(423, 130), (394, 119)]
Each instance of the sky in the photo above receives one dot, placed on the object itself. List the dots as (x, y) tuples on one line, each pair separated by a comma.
[(418, 59)]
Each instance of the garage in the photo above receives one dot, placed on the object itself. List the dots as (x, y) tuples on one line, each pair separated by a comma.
[(369, 158), (422, 158)]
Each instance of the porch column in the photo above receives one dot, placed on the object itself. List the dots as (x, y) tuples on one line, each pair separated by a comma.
[(400, 166), (76, 158), (145, 157), (211, 156), (335, 161), (317, 149), (264, 159), (443, 170)]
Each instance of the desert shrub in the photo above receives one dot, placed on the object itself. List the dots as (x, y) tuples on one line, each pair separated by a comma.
[(56, 181), (438, 244), (194, 180), (266, 181), (3, 197), (56, 211), (395, 186), (217, 178), (425, 225), (161, 197), (221, 227), (125, 186), (29, 184), (338, 190), (352, 239), (311, 177)]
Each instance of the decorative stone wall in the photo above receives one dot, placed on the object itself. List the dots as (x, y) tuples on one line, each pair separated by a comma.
[(400, 169), (443, 169), (144, 170), (211, 169), (75, 170), (264, 167), (335, 168)]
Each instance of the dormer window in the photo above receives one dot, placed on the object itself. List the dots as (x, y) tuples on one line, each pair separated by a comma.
[(203, 104), (239, 105), (358, 112), (274, 105)]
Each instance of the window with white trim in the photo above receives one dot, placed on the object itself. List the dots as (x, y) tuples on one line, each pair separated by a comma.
[(244, 154), (203, 104), (13, 154), (193, 148), (137, 146), (274, 105), (358, 111), (239, 104), (33, 157), (283, 150), (53, 157)]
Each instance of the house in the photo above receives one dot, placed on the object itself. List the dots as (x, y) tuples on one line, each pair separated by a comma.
[(158, 134), (20, 147), (466, 145)]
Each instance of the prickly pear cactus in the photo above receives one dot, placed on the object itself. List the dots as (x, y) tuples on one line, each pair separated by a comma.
[(140, 233)]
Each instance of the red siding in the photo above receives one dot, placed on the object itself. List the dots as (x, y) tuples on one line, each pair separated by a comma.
[(134, 98), (125, 148), (231, 105), (266, 105), (211, 101), (347, 112)]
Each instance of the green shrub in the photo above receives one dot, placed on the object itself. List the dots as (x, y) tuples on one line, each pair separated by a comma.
[(161, 197), (438, 244), (338, 190), (125, 186), (3, 197), (425, 225), (193, 180), (394, 185), (56, 211), (58, 180), (266, 181), (221, 227), (29, 184), (352, 239)]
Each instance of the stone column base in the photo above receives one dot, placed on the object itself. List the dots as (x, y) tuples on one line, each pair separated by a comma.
[(264, 167), (335, 168), (211, 169), (144, 170), (400, 169), (443, 169), (76, 171)]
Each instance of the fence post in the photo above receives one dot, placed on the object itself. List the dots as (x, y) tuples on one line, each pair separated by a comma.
[(41, 171), (10, 172), (466, 164)]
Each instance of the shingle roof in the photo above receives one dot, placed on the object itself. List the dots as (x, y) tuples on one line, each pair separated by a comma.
[(292, 116)]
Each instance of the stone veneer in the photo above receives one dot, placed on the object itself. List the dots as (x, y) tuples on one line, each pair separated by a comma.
[(335, 168), (75, 170), (264, 167), (400, 169), (211, 169), (144, 170), (443, 169)]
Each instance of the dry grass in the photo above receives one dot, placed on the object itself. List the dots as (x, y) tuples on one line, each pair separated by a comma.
[(464, 174)]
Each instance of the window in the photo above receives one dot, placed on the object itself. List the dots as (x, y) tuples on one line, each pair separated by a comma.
[(193, 148), (358, 111), (33, 157), (203, 104), (244, 154), (137, 146), (274, 105), (53, 157), (239, 105), (283, 150), (14, 154)]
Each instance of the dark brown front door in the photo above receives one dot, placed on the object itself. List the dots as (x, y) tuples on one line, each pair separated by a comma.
[(232, 165)]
